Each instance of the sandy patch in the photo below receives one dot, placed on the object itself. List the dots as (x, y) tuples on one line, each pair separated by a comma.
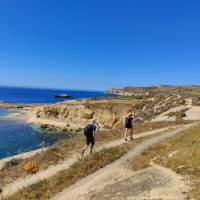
[(164, 116), (152, 183), (193, 113)]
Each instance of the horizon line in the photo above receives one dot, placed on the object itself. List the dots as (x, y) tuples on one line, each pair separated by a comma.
[(49, 88)]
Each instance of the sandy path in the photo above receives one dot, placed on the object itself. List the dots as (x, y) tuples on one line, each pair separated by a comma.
[(78, 190), (152, 183), (52, 170)]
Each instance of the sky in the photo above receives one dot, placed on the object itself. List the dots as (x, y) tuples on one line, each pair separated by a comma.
[(99, 44)]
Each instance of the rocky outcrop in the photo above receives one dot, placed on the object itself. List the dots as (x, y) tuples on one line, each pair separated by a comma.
[(76, 116), (63, 95)]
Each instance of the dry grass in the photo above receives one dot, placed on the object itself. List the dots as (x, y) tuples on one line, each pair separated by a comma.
[(65, 148), (51, 186), (55, 184), (179, 153), (179, 115)]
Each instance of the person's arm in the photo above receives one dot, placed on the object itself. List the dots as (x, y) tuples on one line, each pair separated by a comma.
[(94, 131)]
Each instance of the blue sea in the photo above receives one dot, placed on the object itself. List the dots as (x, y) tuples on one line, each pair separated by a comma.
[(17, 136), (33, 95)]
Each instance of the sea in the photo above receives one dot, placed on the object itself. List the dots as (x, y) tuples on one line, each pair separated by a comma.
[(34, 95), (17, 136)]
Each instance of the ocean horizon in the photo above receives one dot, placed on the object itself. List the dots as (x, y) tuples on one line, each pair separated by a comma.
[(43, 95)]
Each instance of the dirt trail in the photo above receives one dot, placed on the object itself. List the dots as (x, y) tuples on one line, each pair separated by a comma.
[(52, 170), (82, 189), (152, 183)]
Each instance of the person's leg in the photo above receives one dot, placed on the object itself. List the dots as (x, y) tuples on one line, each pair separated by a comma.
[(131, 134), (92, 145), (126, 133), (84, 149), (91, 148)]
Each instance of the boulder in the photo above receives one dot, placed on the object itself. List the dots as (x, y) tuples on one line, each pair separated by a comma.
[(44, 126), (63, 95)]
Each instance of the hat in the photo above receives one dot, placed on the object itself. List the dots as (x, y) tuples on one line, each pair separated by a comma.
[(93, 121)]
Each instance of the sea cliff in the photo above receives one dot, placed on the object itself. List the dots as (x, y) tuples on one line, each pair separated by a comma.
[(75, 115)]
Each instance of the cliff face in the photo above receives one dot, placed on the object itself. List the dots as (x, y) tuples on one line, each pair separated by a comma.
[(75, 116)]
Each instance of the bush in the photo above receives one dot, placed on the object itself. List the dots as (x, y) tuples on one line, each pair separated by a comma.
[(31, 167)]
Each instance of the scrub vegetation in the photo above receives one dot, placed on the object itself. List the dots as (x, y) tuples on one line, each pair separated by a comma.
[(179, 153)]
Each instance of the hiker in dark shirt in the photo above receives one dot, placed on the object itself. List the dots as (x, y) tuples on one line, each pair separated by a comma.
[(89, 133), (129, 126)]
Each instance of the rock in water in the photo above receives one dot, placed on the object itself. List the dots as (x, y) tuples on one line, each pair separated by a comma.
[(64, 95)]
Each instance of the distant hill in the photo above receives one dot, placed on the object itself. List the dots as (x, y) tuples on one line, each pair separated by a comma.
[(131, 90)]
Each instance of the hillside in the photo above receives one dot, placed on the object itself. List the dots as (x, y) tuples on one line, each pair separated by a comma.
[(157, 89), (110, 112), (142, 169)]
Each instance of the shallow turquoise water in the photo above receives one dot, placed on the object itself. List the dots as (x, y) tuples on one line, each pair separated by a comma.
[(17, 137)]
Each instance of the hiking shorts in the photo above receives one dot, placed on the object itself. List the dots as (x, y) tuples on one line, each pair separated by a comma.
[(90, 140), (129, 126)]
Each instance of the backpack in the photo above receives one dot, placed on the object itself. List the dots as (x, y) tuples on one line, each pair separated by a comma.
[(88, 131), (128, 121)]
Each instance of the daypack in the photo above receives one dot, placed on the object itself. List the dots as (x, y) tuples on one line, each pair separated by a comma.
[(88, 131), (128, 121)]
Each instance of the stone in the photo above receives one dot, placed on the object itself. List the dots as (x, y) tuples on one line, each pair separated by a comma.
[(64, 95)]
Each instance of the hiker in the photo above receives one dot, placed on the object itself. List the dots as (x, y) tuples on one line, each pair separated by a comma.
[(89, 133), (129, 126)]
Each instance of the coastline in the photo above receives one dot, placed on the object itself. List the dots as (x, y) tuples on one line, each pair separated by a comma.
[(25, 113), (22, 156), (20, 112), (73, 115), (28, 113)]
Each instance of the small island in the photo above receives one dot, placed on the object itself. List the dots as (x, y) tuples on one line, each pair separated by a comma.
[(63, 95)]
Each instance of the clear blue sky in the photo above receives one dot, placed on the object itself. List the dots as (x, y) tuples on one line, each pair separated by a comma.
[(98, 44)]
